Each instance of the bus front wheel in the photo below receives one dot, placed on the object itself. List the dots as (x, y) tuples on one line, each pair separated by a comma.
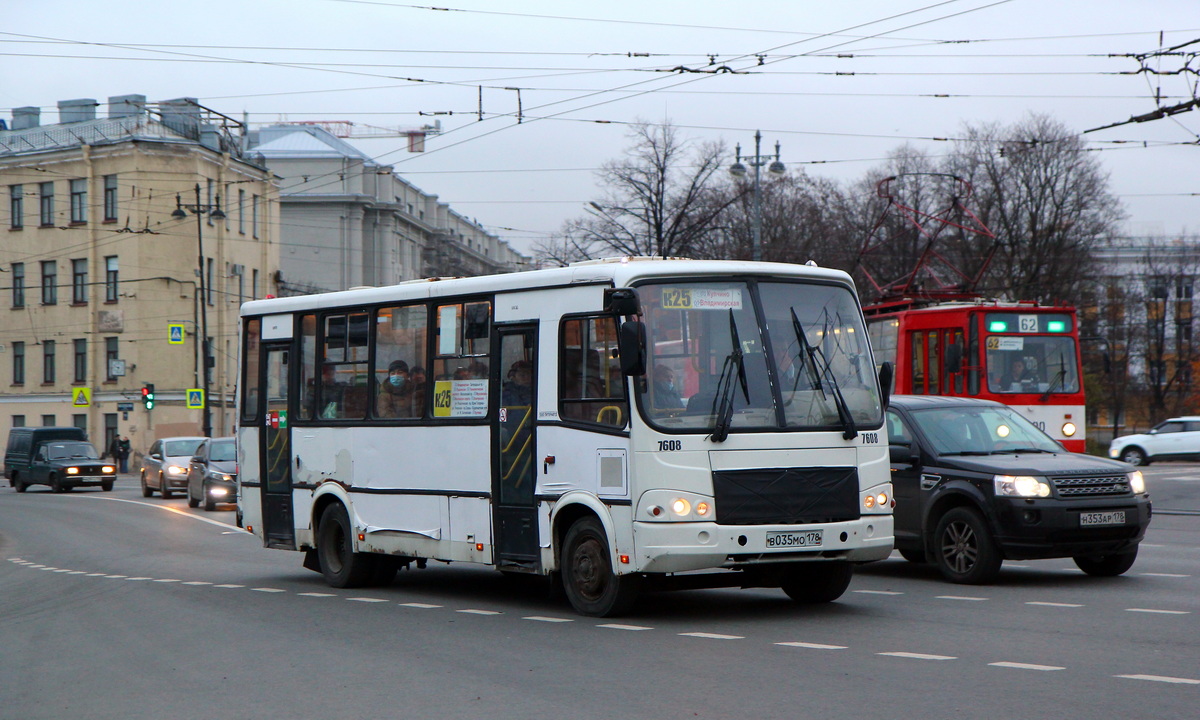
[(341, 566), (818, 582), (588, 579)]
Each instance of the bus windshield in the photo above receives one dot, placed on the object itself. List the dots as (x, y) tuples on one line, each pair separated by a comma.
[(1031, 363), (804, 360)]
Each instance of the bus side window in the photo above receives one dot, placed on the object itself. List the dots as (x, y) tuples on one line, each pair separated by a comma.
[(591, 387)]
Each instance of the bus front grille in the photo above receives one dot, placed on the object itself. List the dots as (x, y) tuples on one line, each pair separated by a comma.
[(786, 496)]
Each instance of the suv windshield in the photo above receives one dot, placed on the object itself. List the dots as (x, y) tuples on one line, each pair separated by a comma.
[(981, 431), (801, 360), (68, 451)]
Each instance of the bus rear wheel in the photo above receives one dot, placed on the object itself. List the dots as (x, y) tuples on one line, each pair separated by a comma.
[(341, 566), (818, 582), (587, 574)]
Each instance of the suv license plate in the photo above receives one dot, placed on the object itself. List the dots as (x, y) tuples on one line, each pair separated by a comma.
[(1091, 519), (808, 538)]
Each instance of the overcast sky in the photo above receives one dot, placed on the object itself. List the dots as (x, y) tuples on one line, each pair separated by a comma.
[(557, 84)]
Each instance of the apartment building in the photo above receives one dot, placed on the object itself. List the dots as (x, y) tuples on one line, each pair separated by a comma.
[(115, 237)]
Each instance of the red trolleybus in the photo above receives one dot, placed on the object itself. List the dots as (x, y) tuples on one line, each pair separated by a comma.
[(1021, 354)]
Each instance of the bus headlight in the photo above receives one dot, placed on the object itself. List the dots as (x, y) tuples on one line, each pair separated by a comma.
[(1068, 429), (878, 499), (681, 507), (1137, 482), (675, 506), (1021, 486)]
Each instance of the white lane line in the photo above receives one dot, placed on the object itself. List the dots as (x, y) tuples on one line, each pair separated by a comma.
[(132, 579), (713, 636), (167, 580), (167, 508), (1150, 545), (116, 577), (422, 606), (473, 611), (918, 656), (197, 582), (618, 626), (543, 618), (61, 570), (877, 592), (95, 574), (77, 572), (967, 598), (1026, 666), (1159, 612), (367, 599), (1053, 604), (229, 585), (268, 590), (316, 594), (1161, 678), (812, 646), (1170, 575)]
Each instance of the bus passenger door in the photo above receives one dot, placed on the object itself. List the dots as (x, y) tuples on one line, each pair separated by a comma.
[(514, 465), (276, 451)]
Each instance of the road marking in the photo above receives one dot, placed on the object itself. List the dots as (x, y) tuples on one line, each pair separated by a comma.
[(228, 585), (132, 579), (95, 574), (961, 597), (77, 572), (472, 611), (197, 582), (1159, 612), (1170, 575), (812, 646), (1145, 544), (877, 592), (713, 636), (167, 580), (918, 656), (316, 595), (116, 577), (1161, 678), (268, 590), (167, 508), (1053, 604), (617, 626), (61, 570), (1026, 666), (542, 618), (367, 599), (423, 606)]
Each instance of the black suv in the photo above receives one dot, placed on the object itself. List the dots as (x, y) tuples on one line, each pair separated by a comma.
[(66, 464), (976, 483)]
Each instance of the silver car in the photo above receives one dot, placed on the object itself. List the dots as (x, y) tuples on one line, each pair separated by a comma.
[(165, 466)]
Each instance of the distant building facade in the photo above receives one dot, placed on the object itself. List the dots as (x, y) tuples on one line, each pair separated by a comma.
[(349, 221), (97, 272)]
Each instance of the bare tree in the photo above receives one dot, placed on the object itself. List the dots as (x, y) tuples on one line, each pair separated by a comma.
[(661, 199), (1170, 347)]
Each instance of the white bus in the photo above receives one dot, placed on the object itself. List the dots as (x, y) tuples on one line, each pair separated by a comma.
[(526, 421)]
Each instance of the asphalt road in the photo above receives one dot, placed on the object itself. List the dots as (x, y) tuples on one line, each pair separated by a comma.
[(115, 606)]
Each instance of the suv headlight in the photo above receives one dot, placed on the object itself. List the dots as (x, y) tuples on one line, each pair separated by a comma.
[(1021, 486), (1137, 482)]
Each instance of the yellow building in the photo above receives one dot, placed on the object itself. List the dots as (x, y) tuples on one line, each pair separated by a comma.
[(104, 261)]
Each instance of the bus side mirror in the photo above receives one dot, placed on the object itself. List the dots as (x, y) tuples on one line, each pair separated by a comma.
[(621, 302), (954, 355), (886, 373), (631, 344)]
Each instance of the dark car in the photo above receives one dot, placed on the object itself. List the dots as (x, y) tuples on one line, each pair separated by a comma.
[(67, 464), (975, 484), (212, 473), (23, 444)]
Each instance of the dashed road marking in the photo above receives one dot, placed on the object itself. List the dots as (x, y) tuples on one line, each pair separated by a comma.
[(967, 598), (1162, 678), (713, 636), (197, 582), (543, 618), (167, 580), (316, 594), (877, 592), (813, 646), (1026, 666), (1053, 604), (475, 611), (229, 586), (1170, 575), (1158, 612), (268, 590), (618, 626), (422, 606), (367, 599), (918, 656)]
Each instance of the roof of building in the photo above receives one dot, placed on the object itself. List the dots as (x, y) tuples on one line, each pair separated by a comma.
[(304, 141)]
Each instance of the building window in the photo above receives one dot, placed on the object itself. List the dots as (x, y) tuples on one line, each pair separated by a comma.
[(111, 353), (18, 356), (254, 216), (49, 282), (18, 285), (18, 421), (79, 421), (79, 201), (79, 281), (241, 209), (16, 206), (46, 204), (209, 200), (254, 285), (49, 421), (47, 362), (80, 360), (208, 280), (110, 278), (110, 197)]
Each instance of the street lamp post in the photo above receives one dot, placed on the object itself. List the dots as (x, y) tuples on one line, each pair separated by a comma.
[(738, 169), (213, 210)]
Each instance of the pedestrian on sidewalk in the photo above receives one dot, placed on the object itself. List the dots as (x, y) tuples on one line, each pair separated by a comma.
[(123, 450)]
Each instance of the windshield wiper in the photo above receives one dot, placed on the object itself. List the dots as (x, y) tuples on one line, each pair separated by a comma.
[(1059, 377), (849, 431), (723, 400), (1013, 451), (805, 356), (965, 452)]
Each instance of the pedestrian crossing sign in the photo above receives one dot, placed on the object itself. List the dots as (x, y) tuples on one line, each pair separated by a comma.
[(195, 399), (81, 397), (175, 333)]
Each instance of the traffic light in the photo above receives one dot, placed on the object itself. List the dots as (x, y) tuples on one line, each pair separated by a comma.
[(148, 396)]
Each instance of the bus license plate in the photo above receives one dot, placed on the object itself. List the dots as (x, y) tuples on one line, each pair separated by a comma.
[(808, 538), (1091, 519)]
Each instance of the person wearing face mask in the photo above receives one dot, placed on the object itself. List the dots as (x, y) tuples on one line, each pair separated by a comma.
[(395, 392), (665, 394)]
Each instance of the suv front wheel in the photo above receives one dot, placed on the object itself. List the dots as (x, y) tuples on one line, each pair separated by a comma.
[(963, 548)]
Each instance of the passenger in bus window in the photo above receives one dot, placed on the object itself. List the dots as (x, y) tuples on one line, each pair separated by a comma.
[(395, 393), (664, 393), (332, 395), (518, 388)]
